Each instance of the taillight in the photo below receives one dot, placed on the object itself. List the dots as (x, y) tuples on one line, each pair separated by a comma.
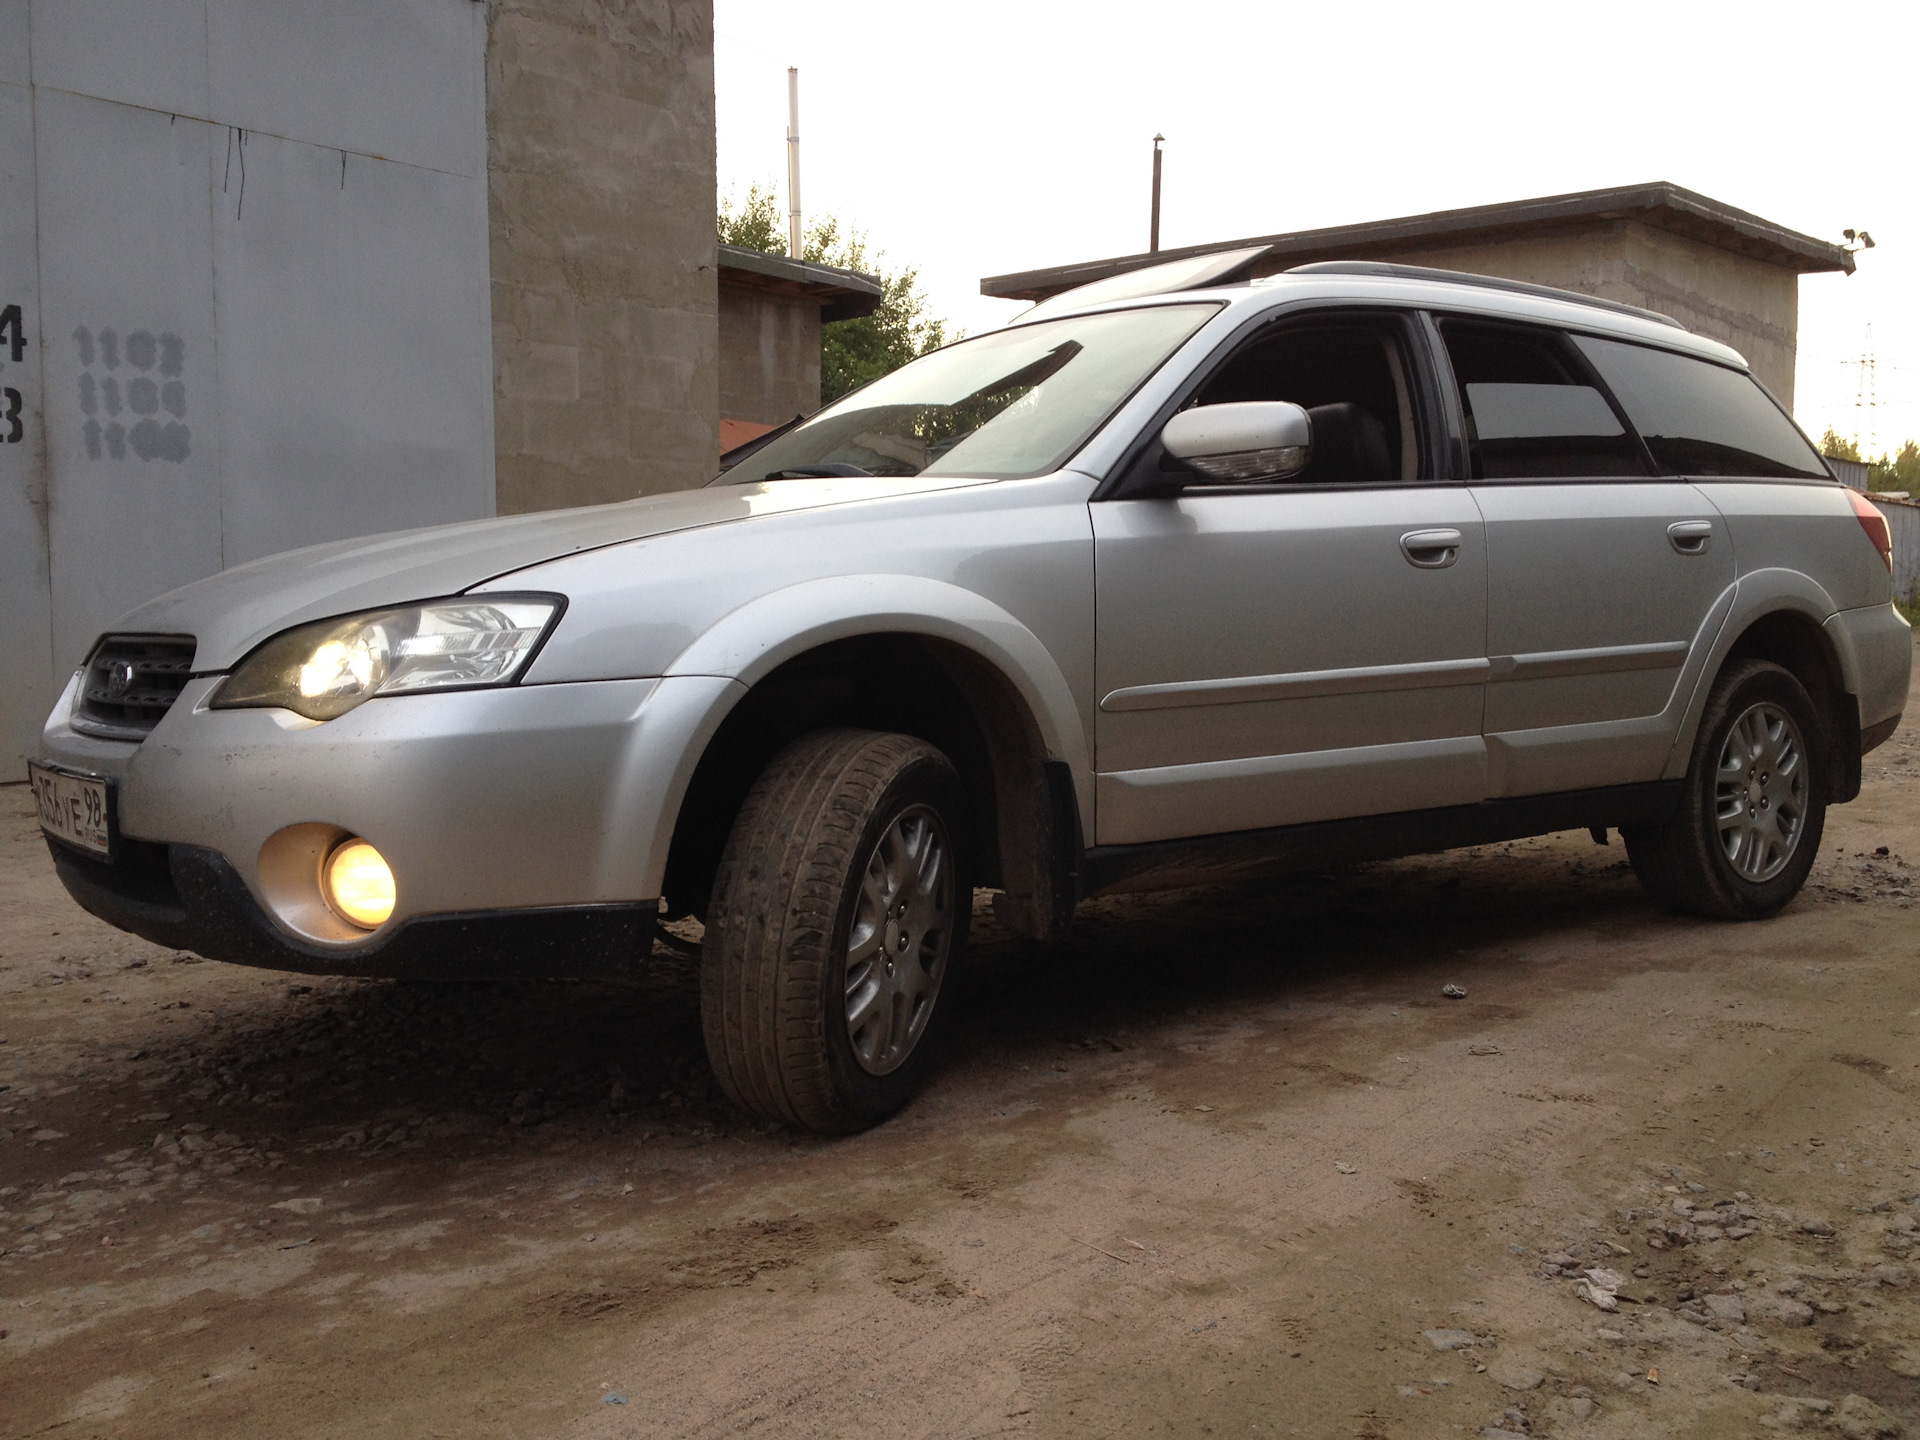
[(1875, 524)]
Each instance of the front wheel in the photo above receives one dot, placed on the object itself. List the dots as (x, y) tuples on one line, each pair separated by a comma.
[(838, 912), (1749, 823)]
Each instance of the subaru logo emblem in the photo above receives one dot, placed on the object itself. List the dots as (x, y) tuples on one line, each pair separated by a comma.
[(119, 680)]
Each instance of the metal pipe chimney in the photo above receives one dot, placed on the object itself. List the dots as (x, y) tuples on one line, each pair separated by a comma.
[(793, 162), (1153, 240)]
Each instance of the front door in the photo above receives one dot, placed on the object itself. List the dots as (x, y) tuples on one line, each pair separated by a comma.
[(1279, 654)]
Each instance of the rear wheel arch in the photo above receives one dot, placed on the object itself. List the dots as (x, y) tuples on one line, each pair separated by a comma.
[(1747, 825), (1799, 644)]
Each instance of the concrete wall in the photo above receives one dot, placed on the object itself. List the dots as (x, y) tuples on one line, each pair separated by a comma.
[(1748, 304), (601, 190), (1745, 303), (769, 355), (248, 243)]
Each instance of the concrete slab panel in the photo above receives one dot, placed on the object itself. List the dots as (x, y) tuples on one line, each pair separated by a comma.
[(26, 640), (400, 79), (126, 273), (354, 348), (15, 68), (153, 53)]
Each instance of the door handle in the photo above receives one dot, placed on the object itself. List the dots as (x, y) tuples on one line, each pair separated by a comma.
[(1690, 537), (1431, 549)]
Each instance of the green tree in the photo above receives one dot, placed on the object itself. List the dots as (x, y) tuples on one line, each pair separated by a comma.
[(754, 223), (852, 352), (1902, 472), (1834, 445)]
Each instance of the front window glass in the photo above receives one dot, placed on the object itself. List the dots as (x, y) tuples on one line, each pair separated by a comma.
[(1011, 403), (1351, 379), (1699, 418)]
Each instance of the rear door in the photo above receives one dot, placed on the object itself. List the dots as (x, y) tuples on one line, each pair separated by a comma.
[(1275, 654), (1602, 575)]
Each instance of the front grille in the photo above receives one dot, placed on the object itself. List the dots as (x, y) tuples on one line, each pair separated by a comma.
[(130, 682)]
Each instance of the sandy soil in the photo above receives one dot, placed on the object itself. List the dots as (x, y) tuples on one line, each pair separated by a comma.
[(1217, 1166)]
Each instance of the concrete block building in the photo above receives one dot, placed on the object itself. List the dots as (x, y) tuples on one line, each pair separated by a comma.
[(771, 311), (276, 272), (605, 293), (1715, 269)]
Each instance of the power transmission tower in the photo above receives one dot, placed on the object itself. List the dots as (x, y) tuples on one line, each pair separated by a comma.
[(1866, 399)]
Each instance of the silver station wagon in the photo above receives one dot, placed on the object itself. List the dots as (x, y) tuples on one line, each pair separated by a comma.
[(1176, 578)]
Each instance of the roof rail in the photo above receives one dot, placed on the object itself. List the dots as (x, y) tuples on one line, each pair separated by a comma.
[(1486, 282), (1191, 272)]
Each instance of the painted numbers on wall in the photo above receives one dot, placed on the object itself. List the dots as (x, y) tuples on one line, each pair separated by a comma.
[(13, 336), (152, 384)]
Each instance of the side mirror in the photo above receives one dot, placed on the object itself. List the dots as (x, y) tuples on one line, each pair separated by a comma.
[(1245, 440)]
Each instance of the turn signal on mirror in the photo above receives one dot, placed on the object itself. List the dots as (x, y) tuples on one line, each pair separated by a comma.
[(358, 884)]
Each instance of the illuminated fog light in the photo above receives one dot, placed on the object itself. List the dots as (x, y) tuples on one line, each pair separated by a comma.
[(359, 883)]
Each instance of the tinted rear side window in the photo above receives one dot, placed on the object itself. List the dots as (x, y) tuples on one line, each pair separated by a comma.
[(1532, 409), (1699, 418)]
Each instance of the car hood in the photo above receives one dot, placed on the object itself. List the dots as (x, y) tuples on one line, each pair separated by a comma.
[(230, 613)]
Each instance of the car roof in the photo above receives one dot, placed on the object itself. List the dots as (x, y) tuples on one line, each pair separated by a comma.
[(1405, 287)]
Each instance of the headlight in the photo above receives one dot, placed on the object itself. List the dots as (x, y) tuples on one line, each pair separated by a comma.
[(325, 669)]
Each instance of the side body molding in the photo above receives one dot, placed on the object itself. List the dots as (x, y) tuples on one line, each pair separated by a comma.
[(752, 641)]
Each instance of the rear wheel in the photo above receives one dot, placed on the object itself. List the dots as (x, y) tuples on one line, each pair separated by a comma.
[(838, 912), (1750, 819)]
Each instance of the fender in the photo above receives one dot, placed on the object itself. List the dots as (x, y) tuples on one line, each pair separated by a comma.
[(749, 643), (1755, 595)]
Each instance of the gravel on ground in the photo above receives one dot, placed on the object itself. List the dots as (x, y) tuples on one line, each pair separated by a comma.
[(1227, 1161)]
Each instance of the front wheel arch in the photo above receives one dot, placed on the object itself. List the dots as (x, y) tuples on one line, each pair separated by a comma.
[(1026, 828)]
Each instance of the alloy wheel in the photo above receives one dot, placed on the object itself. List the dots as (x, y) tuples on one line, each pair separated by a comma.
[(898, 946), (1760, 792)]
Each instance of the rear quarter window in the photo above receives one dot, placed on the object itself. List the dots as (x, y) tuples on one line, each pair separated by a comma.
[(1699, 418)]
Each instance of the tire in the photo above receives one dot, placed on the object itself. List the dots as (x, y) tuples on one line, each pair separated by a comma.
[(1754, 807), (841, 830)]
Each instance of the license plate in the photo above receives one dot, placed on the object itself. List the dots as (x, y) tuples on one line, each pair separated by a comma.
[(73, 808)]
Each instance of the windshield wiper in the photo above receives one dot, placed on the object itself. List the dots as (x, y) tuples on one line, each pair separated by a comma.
[(815, 472)]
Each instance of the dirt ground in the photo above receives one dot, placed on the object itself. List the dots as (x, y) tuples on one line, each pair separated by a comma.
[(1226, 1163)]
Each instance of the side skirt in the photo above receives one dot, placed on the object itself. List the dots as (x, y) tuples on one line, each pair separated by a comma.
[(1246, 854)]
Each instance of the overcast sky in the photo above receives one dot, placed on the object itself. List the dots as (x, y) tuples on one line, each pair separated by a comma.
[(975, 139)]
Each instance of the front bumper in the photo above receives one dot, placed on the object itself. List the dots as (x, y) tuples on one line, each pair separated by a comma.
[(524, 825), (189, 898)]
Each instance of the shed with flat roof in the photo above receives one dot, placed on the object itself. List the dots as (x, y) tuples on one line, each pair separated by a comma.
[(771, 311), (1717, 270)]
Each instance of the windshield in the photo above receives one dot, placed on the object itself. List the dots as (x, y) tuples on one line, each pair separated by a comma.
[(1010, 403)]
